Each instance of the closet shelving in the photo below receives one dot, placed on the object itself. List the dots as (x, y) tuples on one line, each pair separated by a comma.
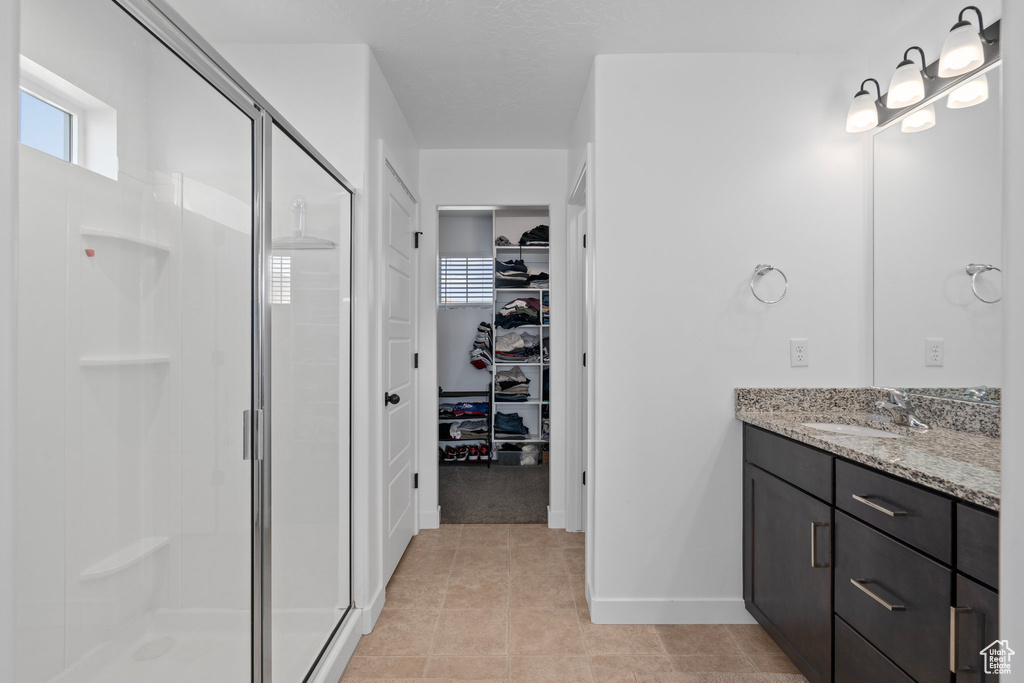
[(469, 396), (512, 224)]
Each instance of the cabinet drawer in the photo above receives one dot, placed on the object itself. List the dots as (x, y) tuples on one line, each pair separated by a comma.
[(922, 519), (858, 661), (804, 467), (977, 544), (907, 617)]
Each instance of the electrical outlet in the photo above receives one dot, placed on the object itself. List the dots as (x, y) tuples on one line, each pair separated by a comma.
[(799, 353), (934, 352)]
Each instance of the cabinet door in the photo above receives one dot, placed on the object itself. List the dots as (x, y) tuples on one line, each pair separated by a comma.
[(974, 628), (787, 574)]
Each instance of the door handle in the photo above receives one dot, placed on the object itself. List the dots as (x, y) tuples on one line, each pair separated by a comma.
[(876, 506), (391, 398), (859, 583), (814, 545), (954, 638)]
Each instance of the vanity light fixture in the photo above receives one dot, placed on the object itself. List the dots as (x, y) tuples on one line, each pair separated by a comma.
[(907, 84), (863, 114), (922, 119), (969, 94), (963, 52)]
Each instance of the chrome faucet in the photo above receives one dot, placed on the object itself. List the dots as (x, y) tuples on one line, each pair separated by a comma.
[(899, 405), (975, 393)]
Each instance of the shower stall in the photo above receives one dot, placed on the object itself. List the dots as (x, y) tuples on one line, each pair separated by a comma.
[(184, 363)]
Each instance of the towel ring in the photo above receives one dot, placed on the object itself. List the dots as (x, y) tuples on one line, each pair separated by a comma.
[(762, 269), (976, 269)]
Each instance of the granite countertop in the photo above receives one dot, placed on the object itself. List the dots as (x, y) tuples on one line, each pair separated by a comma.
[(964, 465)]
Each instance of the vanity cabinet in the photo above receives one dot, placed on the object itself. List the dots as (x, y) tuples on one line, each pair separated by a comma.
[(787, 573), (900, 582)]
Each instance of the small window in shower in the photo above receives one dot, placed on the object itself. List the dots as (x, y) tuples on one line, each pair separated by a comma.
[(45, 126), (280, 279)]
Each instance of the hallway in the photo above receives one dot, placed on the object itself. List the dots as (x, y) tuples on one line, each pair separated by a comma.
[(506, 602)]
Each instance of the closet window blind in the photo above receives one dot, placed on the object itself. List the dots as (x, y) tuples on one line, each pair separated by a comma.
[(466, 281)]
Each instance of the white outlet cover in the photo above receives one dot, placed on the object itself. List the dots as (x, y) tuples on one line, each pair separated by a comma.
[(799, 353), (934, 352)]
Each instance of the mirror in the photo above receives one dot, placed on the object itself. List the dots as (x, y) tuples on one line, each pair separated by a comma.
[(937, 229)]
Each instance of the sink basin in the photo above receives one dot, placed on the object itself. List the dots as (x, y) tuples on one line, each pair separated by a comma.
[(852, 430)]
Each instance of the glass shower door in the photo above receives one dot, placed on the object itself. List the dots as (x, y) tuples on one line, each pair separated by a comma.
[(309, 407), (134, 506)]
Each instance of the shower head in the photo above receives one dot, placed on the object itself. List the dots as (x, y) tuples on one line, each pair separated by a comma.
[(298, 239)]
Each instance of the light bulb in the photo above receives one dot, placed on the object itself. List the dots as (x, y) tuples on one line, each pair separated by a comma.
[(906, 87), (969, 94), (922, 119), (863, 114), (962, 52)]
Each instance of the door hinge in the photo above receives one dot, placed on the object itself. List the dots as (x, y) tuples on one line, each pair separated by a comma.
[(415, 360), (416, 480), (416, 240), (584, 477), (584, 240), (584, 359)]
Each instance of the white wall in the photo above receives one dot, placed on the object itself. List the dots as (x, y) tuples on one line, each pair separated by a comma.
[(690, 196), (491, 177), (1011, 591), (8, 324), (931, 219), (329, 112)]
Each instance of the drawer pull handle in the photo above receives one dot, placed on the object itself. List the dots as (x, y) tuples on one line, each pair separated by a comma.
[(954, 639), (876, 506), (859, 583), (814, 545)]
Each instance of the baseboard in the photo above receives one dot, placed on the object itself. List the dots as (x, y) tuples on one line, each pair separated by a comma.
[(556, 519), (372, 613), (340, 651), (669, 611), (430, 519)]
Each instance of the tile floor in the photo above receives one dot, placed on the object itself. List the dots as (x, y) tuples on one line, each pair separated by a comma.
[(498, 602)]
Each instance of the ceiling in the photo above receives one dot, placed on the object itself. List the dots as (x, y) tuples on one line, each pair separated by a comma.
[(511, 73)]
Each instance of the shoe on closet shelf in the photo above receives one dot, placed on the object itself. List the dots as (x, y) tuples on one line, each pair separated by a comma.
[(463, 453), (474, 454), (450, 454)]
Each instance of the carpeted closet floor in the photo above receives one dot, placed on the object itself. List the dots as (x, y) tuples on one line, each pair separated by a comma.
[(495, 495), (505, 602)]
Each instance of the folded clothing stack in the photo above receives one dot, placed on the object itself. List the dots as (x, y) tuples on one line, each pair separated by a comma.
[(462, 431), (511, 385), (539, 281), (544, 307), (503, 241), (469, 409), (537, 237), (512, 273), (516, 348), (509, 424), (518, 313), (480, 354)]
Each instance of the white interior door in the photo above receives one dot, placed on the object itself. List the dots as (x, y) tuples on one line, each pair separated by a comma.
[(399, 380), (584, 388)]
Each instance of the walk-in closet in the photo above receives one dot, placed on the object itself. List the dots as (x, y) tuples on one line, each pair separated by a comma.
[(493, 364)]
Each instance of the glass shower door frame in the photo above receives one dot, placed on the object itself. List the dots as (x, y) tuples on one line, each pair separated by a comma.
[(168, 27)]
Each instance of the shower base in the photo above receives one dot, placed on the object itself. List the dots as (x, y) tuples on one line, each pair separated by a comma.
[(202, 647)]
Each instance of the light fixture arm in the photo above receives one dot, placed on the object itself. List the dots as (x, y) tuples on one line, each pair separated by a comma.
[(908, 60), (981, 23), (863, 90)]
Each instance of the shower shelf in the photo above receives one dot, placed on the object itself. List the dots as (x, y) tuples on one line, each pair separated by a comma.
[(126, 359), (140, 241), (124, 558)]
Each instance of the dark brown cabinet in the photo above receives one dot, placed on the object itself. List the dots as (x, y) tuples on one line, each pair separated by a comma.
[(898, 581), (787, 569)]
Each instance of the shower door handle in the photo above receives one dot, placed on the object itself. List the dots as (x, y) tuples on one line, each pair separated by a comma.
[(252, 435)]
